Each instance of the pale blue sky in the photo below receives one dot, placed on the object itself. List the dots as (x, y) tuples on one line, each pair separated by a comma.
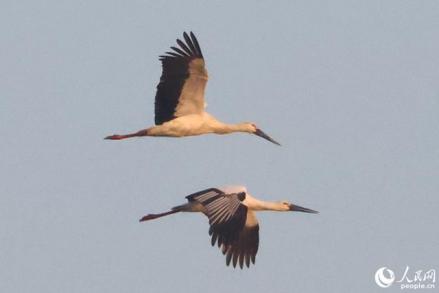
[(349, 88)]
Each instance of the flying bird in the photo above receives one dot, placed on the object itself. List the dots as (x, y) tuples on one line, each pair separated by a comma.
[(179, 101), (233, 224)]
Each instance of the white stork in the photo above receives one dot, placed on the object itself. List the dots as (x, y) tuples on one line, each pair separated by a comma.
[(232, 219), (179, 101)]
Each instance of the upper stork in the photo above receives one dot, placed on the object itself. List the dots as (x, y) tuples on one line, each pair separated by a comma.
[(232, 219), (179, 101)]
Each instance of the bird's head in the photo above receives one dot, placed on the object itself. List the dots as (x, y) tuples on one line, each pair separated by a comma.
[(252, 128)]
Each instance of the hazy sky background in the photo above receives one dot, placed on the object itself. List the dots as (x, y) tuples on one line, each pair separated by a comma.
[(349, 88)]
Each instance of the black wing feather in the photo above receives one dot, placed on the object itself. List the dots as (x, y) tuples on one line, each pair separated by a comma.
[(179, 51), (174, 74), (196, 44), (228, 232), (194, 196), (227, 219), (245, 249), (184, 47), (189, 43)]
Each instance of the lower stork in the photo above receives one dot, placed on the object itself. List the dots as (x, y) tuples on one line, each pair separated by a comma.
[(232, 219)]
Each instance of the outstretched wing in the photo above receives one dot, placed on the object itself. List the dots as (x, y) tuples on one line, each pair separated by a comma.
[(181, 88), (232, 226), (245, 249)]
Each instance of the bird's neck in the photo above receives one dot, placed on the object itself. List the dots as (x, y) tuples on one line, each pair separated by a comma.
[(261, 205), (219, 127), (239, 127)]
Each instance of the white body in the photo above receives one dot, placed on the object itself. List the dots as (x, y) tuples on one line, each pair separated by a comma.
[(197, 124)]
